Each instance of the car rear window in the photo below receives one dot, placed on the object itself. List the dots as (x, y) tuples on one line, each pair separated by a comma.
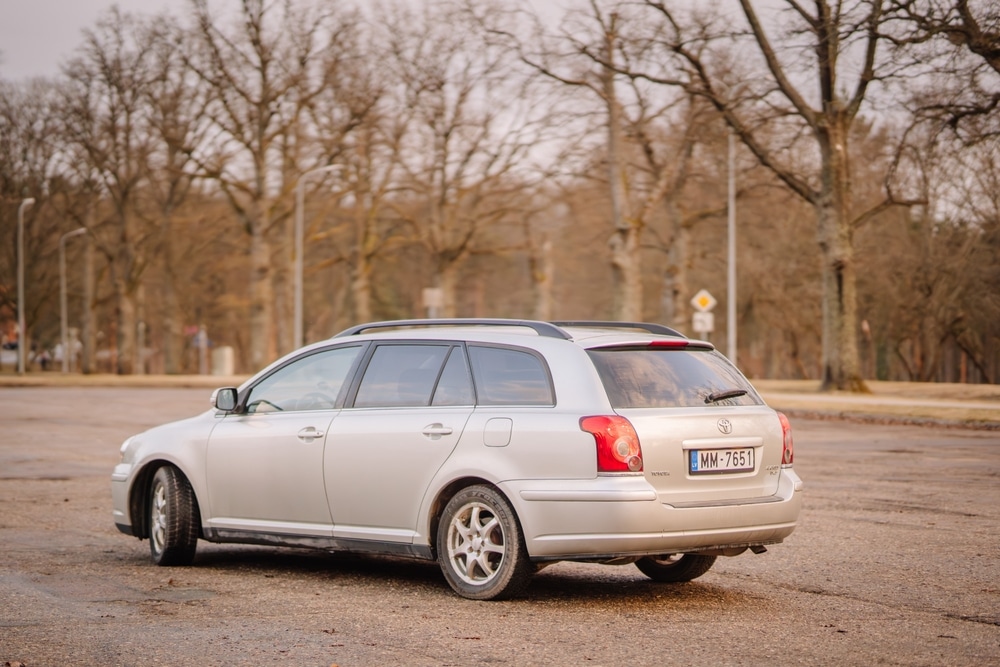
[(669, 378)]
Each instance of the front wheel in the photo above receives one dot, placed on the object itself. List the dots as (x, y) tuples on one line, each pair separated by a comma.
[(480, 547), (675, 568), (173, 518)]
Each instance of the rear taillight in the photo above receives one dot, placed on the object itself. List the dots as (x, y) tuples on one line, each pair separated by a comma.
[(618, 447), (787, 447)]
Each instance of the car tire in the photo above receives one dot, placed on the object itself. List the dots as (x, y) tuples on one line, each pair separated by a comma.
[(675, 568), (480, 547), (173, 518)]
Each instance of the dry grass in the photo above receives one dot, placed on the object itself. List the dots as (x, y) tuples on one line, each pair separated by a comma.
[(912, 390), (54, 379), (973, 405)]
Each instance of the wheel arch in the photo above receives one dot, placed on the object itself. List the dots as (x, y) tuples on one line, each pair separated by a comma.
[(138, 502), (447, 493)]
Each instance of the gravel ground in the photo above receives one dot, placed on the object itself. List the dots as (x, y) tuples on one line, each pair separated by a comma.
[(895, 563)]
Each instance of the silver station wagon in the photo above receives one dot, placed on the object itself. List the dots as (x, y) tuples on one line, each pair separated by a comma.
[(492, 446)]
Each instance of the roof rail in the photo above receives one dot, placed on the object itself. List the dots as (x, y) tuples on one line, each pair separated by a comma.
[(546, 329), (642, 326)]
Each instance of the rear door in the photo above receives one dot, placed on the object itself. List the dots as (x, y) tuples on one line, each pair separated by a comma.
[(405, 417), (706, 435)]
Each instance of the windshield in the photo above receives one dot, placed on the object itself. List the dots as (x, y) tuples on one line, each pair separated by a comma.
[(671, 378)]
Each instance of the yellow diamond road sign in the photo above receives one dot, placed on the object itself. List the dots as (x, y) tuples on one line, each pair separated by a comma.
[(703, 301)]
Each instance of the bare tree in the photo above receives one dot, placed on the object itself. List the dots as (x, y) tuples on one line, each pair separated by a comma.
[(30, 149), (261, 76), (541, 263), (356, 126), (584, 59), (472, 130), (176, 102), (107, 124), (649, 137), (956, 44), (772, 113), (941, 293)]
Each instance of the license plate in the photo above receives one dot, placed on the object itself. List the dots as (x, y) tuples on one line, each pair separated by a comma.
[(716, 461)]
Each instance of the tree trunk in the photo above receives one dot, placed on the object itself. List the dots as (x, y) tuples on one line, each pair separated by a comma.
[(89, 353), (675, 308), (366, 243), (125, 334), (139, 314), (841, 366), (542, 269), (262, 346), (626, 246), (448, 282), (361, 288), (682, 285), (626, 242), (172, 318), (284, 307)]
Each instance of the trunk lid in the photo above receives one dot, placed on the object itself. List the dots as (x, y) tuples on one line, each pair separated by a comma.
[(709, 455), (706, 435)]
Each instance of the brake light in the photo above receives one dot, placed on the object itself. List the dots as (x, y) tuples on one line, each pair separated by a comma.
[(682, 343), (787, 447), (618, 447), (668, 343)]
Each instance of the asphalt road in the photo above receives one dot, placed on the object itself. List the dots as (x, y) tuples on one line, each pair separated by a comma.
[(896, 562)]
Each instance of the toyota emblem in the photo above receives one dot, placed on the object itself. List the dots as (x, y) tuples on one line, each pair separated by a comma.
[(725, 426)]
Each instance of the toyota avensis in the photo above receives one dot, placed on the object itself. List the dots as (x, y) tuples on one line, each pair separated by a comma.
[(492, 446)]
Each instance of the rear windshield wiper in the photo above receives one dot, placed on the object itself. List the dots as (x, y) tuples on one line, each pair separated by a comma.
[(723, 395)]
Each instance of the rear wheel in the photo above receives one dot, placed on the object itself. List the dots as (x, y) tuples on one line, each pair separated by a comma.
[(173, 518), (480, 547), (674, 568)]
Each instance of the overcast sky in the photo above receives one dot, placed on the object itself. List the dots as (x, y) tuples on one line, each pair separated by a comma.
[(36, 36)]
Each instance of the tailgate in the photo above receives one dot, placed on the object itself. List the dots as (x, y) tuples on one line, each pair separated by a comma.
[(709, 455)]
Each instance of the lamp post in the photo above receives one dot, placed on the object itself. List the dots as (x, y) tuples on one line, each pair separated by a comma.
[(62, 295), (299, 243), (21, 337), (731, 264)]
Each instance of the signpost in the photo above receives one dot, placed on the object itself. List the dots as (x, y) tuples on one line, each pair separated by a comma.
[(433, 298), (702, 320)]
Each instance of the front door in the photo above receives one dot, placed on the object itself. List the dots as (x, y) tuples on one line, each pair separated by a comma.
[(265, 463)]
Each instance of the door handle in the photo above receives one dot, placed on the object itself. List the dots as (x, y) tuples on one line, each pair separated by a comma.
[(435, 431), (310, 433)]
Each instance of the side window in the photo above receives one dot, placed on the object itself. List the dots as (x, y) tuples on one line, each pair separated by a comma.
[(510, 377), (401, 376), (455, 385), (308, 383)]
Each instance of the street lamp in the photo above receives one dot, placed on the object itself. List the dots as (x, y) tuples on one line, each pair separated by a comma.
[(21, 337), (299, 234), (62, 294), (731, 251)]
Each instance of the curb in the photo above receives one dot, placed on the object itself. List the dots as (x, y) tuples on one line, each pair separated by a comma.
[(888, 420)]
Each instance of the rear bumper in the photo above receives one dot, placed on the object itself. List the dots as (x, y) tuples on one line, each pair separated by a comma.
[(611, 517)]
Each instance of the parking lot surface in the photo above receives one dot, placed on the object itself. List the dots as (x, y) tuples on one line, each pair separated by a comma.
[(895, 562)]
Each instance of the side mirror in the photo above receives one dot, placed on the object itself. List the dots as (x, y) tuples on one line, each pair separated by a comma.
[(225, 399)]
